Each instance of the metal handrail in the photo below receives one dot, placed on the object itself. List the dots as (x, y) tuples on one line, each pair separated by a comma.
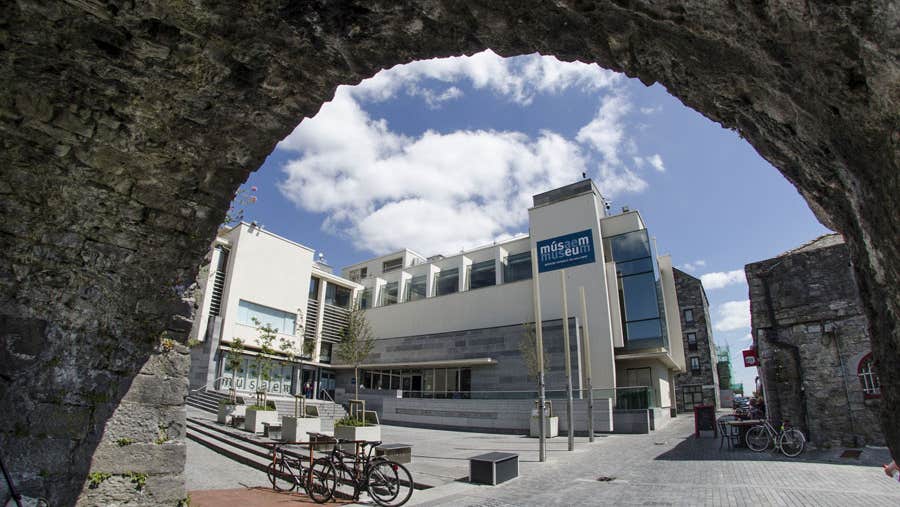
[(333, 404), (208, 384)]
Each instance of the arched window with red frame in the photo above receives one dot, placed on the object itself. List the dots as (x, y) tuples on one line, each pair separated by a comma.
[(868, 378)]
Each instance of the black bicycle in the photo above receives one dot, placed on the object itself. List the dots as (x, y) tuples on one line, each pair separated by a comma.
[(287, 473), (387, 482)]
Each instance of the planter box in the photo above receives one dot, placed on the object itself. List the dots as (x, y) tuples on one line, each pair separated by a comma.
[(368, 433), (295, 429), (254, 419), (551, 426), (228, 412)]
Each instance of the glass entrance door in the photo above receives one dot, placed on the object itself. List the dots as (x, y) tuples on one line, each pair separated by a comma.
[(326, 383)]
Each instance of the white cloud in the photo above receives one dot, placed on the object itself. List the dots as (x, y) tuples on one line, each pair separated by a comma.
[(651, 110), (720, 279), (441, 192), (435, 193), (690, 267), (518, 79), (732, 315), (657, 162), (605, 133), (746, 338)]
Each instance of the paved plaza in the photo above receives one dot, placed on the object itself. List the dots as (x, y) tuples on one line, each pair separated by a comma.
[(668, 467)]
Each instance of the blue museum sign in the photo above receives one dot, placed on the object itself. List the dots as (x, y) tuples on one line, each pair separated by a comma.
[(565, 251)]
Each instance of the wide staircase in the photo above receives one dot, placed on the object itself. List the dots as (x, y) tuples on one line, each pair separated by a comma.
[(250, 449), (329, 412)]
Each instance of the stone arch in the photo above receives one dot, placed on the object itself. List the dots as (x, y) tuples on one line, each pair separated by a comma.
[(127, 127)]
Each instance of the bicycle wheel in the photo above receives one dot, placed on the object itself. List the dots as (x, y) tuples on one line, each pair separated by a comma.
[(792, 442), (281, 476), (321, 481), (389, 484), (758, 438)]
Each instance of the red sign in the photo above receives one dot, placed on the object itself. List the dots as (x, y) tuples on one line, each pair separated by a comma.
[(750, 358)]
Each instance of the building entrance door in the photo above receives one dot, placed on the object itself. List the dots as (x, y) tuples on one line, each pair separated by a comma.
[(326, 383)]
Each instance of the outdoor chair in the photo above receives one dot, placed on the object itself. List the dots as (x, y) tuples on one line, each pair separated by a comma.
[(728, 432)]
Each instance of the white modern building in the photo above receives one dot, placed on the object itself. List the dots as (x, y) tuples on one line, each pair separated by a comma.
[(254, 274), (449, 328)]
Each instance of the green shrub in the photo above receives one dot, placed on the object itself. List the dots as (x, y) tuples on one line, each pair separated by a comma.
[(350, 421), (261, 407), (122, 442), (97, 478)]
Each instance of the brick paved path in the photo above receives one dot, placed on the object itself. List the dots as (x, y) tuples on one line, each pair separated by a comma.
[(670, 467)]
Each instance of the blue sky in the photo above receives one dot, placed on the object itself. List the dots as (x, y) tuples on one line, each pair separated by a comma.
[(442, 155)]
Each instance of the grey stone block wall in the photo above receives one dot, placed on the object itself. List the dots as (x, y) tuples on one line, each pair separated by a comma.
[(692, 296), (810, 334), (490, 415), (498, 343)]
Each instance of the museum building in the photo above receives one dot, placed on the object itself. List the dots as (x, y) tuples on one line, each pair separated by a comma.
[(449, 328)]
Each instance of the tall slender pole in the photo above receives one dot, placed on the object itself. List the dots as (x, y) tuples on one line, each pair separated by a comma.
[(539, 344), (587, 365), (567, 351)]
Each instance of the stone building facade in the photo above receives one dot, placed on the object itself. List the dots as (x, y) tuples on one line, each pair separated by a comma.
[(812, 340), (699, 384)]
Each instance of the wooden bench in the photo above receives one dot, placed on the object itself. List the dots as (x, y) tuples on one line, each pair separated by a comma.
[(401, 453), (493, 468), (272, 431)]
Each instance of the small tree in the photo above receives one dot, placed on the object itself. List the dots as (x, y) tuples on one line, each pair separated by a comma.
[(234, 357), (528, 349), (264, 360), (292, 354), (356, 343)]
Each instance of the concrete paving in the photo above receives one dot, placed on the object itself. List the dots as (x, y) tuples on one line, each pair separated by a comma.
[(668, 467)]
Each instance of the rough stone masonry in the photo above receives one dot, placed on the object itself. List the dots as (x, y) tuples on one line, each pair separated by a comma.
[(127, 126), (811, 335)]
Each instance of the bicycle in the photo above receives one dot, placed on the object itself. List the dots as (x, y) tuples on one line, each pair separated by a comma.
[(287, 473), (388, 483), (788, 440)]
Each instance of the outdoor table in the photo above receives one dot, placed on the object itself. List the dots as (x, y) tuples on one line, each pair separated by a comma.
[(744, 426), (493, 468)]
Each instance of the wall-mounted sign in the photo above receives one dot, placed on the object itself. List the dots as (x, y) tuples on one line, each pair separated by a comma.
[(750, 359), (565, 251)]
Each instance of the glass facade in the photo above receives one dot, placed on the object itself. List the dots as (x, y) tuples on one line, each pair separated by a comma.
[(421, 383), (517, 267), (283, 322), (314, 289), (640, 290), (482, 274), (337, 296), (365, 299), (446, 282), (416, 288), (389, 294), (246, 378)]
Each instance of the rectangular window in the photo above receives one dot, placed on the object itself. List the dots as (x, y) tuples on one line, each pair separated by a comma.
[(640, 297), (416, 288), (689, 315), (365, 299), (447, 281), (692, 341), (358, 274), (695, 364), (325, 353), (392, 265), (482, 274), (517, 267), (281, 321), (389, 294), (314, 289), (337, 295)]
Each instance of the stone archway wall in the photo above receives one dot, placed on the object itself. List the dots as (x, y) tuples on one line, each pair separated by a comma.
[(127, 126)]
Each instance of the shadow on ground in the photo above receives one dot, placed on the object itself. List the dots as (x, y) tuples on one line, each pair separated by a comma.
[(707, 449)]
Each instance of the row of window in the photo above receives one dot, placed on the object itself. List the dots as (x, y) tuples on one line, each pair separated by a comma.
[(480, 274), (421, 383), (335, 295)]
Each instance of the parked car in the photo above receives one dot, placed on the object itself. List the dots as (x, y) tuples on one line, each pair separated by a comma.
[(740, 402)]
